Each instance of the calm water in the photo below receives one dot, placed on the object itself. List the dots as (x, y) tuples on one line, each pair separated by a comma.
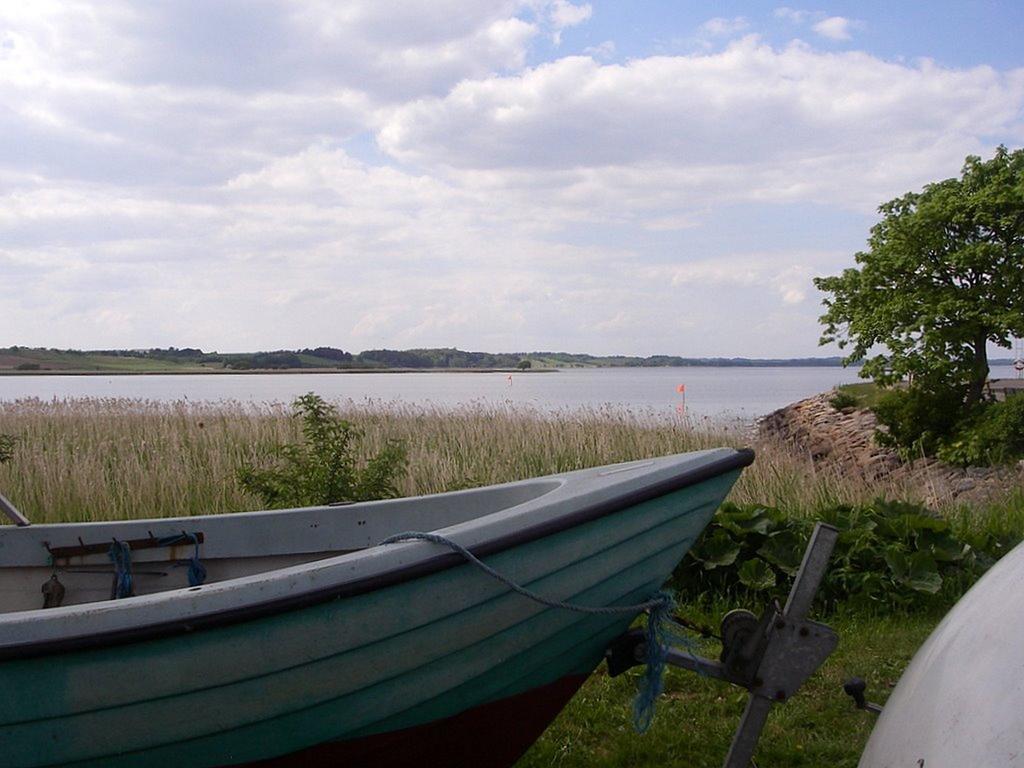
[(743, 393)]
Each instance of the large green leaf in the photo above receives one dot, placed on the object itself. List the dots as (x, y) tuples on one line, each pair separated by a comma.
[(783, 549), (941, 545), (743, 520), (716, 551), (756, 574), (924, 574), (896, 559), (919, 571)]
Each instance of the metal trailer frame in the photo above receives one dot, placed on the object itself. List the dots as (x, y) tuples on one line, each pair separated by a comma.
[(770, 657)]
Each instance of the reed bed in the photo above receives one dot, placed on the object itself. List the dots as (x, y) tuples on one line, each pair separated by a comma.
[(100, 459)]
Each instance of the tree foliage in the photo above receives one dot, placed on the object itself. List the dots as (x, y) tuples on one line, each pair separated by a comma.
[(942, 278), (995, 435), (325, 468)]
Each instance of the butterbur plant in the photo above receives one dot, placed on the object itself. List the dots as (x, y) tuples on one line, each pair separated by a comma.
[(888, 555), (745, 548), (325, 468)]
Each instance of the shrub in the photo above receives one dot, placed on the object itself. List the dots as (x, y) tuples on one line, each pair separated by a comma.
[(324, 469), (6, 447), (918, 419), (889, 555), (994, 436), (842, 399)]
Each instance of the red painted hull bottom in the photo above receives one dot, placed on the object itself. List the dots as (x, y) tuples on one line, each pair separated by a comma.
[(493, 735)]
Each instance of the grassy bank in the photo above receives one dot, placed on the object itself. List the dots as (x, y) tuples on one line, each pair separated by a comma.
[(106, 459)]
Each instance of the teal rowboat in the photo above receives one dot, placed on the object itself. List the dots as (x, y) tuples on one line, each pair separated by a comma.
[(309, 643)]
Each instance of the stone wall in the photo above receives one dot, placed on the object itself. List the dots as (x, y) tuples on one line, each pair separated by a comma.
[(843, 441)]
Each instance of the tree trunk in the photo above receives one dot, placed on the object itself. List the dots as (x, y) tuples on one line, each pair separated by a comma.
[(980, 374)]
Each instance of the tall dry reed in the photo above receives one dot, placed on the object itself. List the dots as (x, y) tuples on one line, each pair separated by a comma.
[(99, 459)]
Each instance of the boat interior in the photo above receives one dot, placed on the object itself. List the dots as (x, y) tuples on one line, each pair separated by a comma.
[(45, 566)]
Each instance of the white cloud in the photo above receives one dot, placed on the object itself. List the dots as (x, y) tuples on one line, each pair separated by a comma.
[(748, 122), (388, 49), (834, 28), (791, 14), (719, 26), (789, 274), (604, 50), (564, 14)]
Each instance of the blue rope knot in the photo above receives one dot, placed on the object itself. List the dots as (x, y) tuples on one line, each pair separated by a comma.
[(120, 554), (658, 634)]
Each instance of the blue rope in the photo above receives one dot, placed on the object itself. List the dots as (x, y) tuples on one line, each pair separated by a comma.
[(658, 633), (196, 570), (120, 554)]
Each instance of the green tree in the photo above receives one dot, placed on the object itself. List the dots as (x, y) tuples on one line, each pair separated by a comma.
[(524, 365), (325, 468), (943, 277)]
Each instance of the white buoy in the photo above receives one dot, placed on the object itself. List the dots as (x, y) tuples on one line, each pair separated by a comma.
[(960, 704)]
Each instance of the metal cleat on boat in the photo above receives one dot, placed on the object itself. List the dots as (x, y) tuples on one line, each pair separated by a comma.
[(771, 656)]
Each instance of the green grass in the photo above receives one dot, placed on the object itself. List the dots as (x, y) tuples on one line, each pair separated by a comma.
[(866, 393), (697, 716)]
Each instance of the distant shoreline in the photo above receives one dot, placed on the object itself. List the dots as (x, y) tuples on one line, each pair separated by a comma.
[(272, 371)]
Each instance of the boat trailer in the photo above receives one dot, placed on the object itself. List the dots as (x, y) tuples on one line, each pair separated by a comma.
[(771, 656)]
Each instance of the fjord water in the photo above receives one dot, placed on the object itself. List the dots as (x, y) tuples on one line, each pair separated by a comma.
[(717, 392)]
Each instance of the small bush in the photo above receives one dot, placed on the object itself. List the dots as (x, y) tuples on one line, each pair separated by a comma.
[(325, 468), (994, 436), (889, 555), (917, 420), (6, 447), (842, 399)]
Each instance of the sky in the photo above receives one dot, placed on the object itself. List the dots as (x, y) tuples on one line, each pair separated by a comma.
[(645, 177)]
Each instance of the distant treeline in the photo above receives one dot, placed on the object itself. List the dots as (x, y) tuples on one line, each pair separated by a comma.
[(331, 357)]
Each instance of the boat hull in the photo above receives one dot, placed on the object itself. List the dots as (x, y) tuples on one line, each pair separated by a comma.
[(480, 737), (361, 675), (959, 702)]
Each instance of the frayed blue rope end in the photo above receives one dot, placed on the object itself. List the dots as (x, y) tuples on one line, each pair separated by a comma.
[(661, 632), (653, 681)]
